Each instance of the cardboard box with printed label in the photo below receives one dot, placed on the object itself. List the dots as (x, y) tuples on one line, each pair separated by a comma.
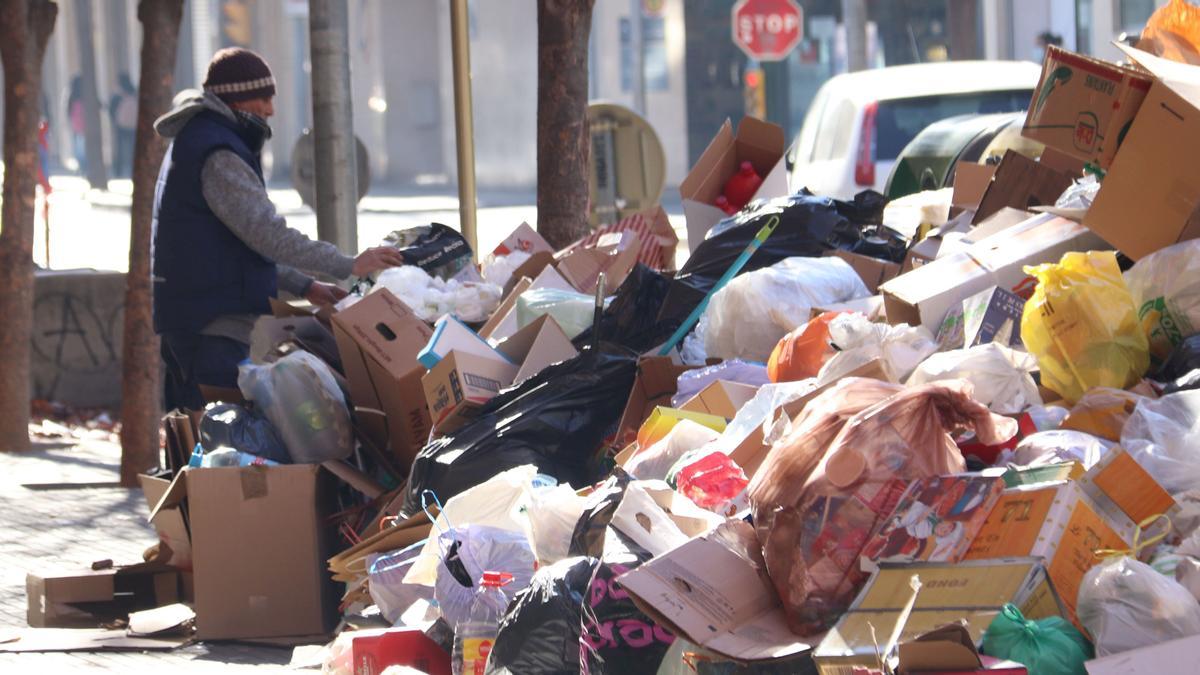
[(523, 239), (972, 592), (758, 142), (460, 384), (379, 338), (1148, 199), (925, 295), (1083, 106), (260, 538)]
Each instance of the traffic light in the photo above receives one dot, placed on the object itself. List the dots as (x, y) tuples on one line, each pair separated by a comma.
[(754, 92), (237, 23)]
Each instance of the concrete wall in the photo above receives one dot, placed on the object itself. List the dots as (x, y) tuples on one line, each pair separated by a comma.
[(78, 319)]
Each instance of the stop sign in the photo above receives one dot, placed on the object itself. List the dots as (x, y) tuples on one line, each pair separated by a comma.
[(767, 30)]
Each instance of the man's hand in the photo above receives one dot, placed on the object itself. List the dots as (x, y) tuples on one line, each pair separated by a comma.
[(375, 259), (324, 295)]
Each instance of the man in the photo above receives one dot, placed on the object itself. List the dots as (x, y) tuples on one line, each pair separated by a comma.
[(220, 248)]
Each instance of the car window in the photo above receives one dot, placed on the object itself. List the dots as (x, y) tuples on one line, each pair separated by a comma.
[(805, 143), (899, 121), (833, 138)]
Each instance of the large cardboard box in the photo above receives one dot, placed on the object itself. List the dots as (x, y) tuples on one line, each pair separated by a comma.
[(758, 142), (656, 382), (1150, 198), (260, 537), (1082, 106), (1055, 521), (87, 598), (974, 592), (379, 339), (460, 384), (924, 295)]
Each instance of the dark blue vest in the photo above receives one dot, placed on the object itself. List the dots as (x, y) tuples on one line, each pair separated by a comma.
[(201, 269)]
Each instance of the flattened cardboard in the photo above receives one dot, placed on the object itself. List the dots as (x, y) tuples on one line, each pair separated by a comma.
[(971, 180), (82, 640), (504, 313), (872, 271), (379, 338), (460, 384), (1082, 106), (924, 295), (720, 398), (758, 142), (1020, 183), (656, 382), (1176, 657), (524, 239), (1146, 201), (540, 344), (88, 598)]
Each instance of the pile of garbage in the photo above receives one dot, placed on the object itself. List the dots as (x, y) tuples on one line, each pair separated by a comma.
[(941, 434)]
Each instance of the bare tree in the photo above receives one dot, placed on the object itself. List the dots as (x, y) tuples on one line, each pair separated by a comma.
[(139, 359), (563, 141), (25, 27)]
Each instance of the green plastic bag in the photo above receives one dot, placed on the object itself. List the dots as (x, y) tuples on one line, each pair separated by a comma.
[(1049, 646)]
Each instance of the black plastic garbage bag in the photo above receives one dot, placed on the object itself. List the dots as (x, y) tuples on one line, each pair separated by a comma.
[(439, 250), (555, 420), (1191, 380), (1183, 359), (631, 318), (589, 534), (244, 429), (539, 635)]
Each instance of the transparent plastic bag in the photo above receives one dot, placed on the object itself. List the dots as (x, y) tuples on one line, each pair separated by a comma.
[(302, 400), (1050, 646), (1054, 447), (735, 370), (1001, 376), (467, 552), (1082, 326), (1125, 604), (552, 514), (655, 461), (1164, 437), (574, 312), (748, 317), (385, 574), (858, 341), (1165, 286)]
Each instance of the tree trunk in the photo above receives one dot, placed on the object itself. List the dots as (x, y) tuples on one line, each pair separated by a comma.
[(139, 358), (93, 139), (563, 142), (25, 27)]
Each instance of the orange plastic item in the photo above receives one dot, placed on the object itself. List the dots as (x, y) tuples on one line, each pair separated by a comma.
[(1173, 32), (801, 353), (1102, 412), (741, 186)]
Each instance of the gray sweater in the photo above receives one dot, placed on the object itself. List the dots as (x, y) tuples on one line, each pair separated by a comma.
[(239, 199)]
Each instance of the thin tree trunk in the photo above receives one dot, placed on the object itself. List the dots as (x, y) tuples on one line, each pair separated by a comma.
[(25, 27), (563, 141), (93, 139), (139, 359)]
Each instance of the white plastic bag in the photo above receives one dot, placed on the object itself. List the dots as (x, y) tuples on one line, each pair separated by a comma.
[(1163, 435), (1125, 604), (301, 398), (479, 549), (735, 370), (1165, 286), (385, 574), (1054, 447), (553, 513), (498, 269), (431, 297), (1048, 417), (859, 341), (748, 317), (654, 462), (574, 312), (1001, 376)]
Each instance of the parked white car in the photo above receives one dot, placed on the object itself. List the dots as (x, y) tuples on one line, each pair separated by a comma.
[(859, 122)]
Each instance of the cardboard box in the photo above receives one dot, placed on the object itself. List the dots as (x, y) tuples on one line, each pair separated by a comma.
[(379, 338), (88, 598), (540, 344), (872, 271), (1058, 522), (1082, 105), (655, 384), (663, 419), (1119, 481), (1176, 657), (971, 180), (504, 321), (308, 332), (1020, 183), (949, 650), (260, 537), (993, 315), (758, 142), (924, 295), (973, 592), (720, 398), (174, 542), (614, 255), (460, 384), (1003, 219), (925, 250), (1148, 201), (450, 334), (524, 239)]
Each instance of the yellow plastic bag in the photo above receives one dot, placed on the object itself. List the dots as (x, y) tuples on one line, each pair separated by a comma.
[(1082, 326), (1173, 32)]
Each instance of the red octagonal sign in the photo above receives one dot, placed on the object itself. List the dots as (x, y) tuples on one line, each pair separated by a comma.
[(767, 30)]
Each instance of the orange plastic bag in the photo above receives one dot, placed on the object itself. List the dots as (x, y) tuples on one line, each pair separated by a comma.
[(802, 352), (1173, 32)]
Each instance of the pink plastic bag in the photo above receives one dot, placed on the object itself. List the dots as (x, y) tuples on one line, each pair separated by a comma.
[(712, 480), (813, 535)]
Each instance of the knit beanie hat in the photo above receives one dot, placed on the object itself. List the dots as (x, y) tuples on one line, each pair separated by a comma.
[(238, 74)]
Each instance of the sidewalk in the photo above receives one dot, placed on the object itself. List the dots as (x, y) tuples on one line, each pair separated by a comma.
[(60, 507)]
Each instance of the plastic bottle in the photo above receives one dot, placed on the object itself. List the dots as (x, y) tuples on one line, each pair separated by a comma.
[(473, 638), (741, 186), (724, 205)]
